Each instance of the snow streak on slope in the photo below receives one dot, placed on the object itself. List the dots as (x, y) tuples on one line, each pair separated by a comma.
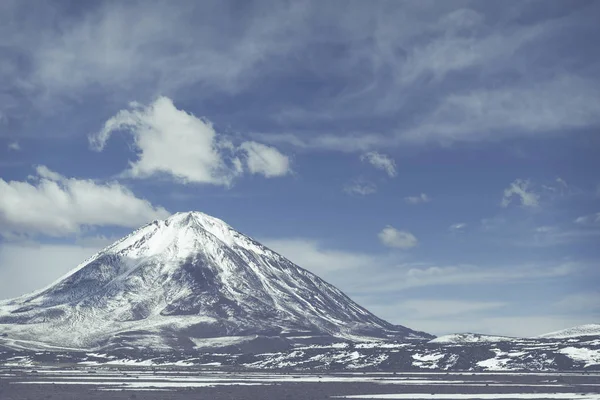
[(175, 282)]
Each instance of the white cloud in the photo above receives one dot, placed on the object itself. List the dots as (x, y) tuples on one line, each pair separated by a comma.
[(265, 160), (56, 206), (422, 198), (25, 267), (173, 142), (520, 189), (360, 187), (14, 146), (392, 237), (592, 219), (458, 227), (380, 161)]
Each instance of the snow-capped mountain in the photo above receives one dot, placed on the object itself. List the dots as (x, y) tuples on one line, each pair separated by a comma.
[(576, 331), (188, 281)]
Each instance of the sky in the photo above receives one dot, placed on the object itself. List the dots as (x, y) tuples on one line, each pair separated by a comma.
[(438, 161)]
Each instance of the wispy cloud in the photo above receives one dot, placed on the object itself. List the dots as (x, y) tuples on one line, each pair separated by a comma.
[(495, 114), (592, 219), (404, 88), (393, 237), (583, 302), (545, 236), (380, 161), (360, 187), (520, 189), (441, 308), (422, 198), (458, 227), (14, 146), (407, 276)]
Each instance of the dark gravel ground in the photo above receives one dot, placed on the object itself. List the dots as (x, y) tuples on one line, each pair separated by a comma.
[(13, 388)]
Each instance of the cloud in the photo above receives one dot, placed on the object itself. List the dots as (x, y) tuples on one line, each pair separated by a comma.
[(392, 237), (175, 143), (413, 275), (54, 205), (565, 103), (592, 219), (519, 189), (434, 308), (14, 146), (360, 187), (194, 49), (380, 161), (351, 143), (402, 67), (265, 160), (458, 227), (545, 236), (422, 198)]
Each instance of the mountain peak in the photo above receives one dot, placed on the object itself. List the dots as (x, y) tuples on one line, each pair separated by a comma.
[(177, 281), (194, 217)]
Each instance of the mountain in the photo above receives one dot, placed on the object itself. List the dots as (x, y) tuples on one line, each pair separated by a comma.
[(576, 331), (190, 281)]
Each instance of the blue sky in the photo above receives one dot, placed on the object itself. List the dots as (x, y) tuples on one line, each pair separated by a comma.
[(438, 161)]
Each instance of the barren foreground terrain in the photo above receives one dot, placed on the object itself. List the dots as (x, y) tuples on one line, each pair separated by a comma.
[(128, 383)]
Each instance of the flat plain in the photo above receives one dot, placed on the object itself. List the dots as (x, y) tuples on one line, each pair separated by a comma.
[(68, 383)]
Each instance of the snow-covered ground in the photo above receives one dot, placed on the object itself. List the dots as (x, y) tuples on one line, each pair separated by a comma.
[(471, 338)]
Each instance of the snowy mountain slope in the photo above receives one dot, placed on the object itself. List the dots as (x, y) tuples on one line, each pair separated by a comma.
[(576, 331), (178, 282)]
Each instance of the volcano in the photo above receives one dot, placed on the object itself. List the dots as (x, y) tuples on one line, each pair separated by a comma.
[(189, 281)]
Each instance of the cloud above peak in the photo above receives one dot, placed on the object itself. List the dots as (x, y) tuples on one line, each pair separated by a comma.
[(173, 142)]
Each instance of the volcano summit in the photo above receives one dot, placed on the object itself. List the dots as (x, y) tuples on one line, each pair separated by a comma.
[(190, 281)]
